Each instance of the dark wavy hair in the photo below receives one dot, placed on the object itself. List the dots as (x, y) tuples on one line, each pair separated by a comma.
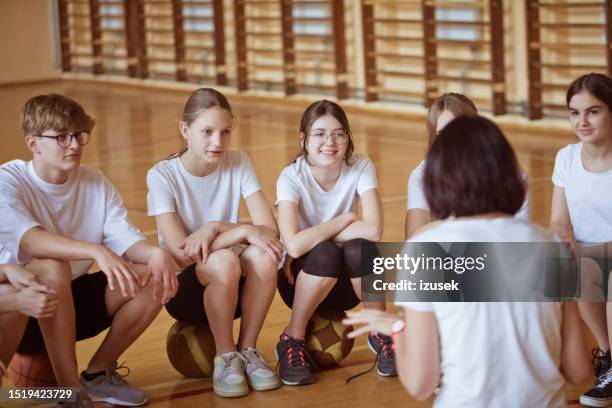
[(471, 169)]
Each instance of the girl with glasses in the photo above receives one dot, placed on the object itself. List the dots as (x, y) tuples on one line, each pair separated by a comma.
[(317, 198)]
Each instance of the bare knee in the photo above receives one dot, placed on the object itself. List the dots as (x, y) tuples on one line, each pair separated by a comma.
[(51, 272), (259, 263), (222, 268)]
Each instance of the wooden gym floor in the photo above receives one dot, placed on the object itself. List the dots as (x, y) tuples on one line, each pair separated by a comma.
[(137, 127)]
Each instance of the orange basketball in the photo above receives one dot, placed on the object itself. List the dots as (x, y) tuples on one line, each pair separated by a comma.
[(31, 370), (326, 339), (191, 349)]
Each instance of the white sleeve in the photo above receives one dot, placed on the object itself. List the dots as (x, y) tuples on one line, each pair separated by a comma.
[(118, 233), (249, 183), (417, 306), (286, 188), (560, 172), (160, 197), (416, 193), (15, 218), (523, 212), (367, 178)]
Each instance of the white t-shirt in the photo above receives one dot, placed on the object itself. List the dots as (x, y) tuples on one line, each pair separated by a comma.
[(416, 192), (87, 207), (198, 200), (588, 196), (315, 205), (496, 355)]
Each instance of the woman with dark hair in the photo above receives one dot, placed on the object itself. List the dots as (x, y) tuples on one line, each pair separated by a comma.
[(582, 204), (317, 199), (481, 354)]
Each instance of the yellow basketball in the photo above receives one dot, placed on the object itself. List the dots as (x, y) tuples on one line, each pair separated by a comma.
[(326, 337), (191, 349)]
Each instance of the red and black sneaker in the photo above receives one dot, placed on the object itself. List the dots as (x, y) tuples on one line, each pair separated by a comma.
[(385, 356), (292, 366)]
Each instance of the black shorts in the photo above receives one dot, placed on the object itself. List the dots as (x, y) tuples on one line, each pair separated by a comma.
[(91, 314), (188, 304)]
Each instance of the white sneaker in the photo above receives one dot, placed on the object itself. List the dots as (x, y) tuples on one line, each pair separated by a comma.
[(228, 375), (259, 374)]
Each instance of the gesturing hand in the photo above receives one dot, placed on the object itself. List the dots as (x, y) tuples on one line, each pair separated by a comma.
[(372, 321)]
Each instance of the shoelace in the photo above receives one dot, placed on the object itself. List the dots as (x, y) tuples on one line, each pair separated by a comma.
[(605, 379), (254, 357), (227, 360), (297, 353), (386, 349), (118, 379), (385, 344)]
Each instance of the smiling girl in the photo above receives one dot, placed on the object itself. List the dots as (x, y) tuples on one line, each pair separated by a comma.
[(582, 204), (317, 207), (228, 268)]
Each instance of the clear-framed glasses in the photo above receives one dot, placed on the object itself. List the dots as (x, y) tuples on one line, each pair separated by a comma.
[(337, 136), (65, 139)]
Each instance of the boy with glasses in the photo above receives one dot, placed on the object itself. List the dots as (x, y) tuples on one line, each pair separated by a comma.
[(58, 217)]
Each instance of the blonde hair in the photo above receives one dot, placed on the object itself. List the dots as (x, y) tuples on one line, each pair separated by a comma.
[(456, 103), (54, 112)]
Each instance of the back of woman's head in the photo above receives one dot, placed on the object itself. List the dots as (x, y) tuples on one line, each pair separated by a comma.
[(456, 103), (471, 169), (598, 85)]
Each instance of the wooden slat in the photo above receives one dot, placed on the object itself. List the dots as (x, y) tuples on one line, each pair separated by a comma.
[(288, 46), (179, 40), (96, 36), (219, 35), (430, 62), (498, 68), (369, 51), (135, 38), (64, 35), (608, 31), (241, 50), (534, 108), (341, 71)]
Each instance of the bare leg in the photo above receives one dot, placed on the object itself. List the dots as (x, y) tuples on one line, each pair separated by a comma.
[(593, 313), (310, 291), (257, 294), (59, 331), (12, 325), (131, 317), (221, 275), (356, 282)]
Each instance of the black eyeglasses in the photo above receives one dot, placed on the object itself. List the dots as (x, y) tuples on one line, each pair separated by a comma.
[(65, 139)]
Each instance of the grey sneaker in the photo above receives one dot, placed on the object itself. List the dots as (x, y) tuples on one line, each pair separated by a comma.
[(259, 374), (113, 389), (228, 375), (82, 401)]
